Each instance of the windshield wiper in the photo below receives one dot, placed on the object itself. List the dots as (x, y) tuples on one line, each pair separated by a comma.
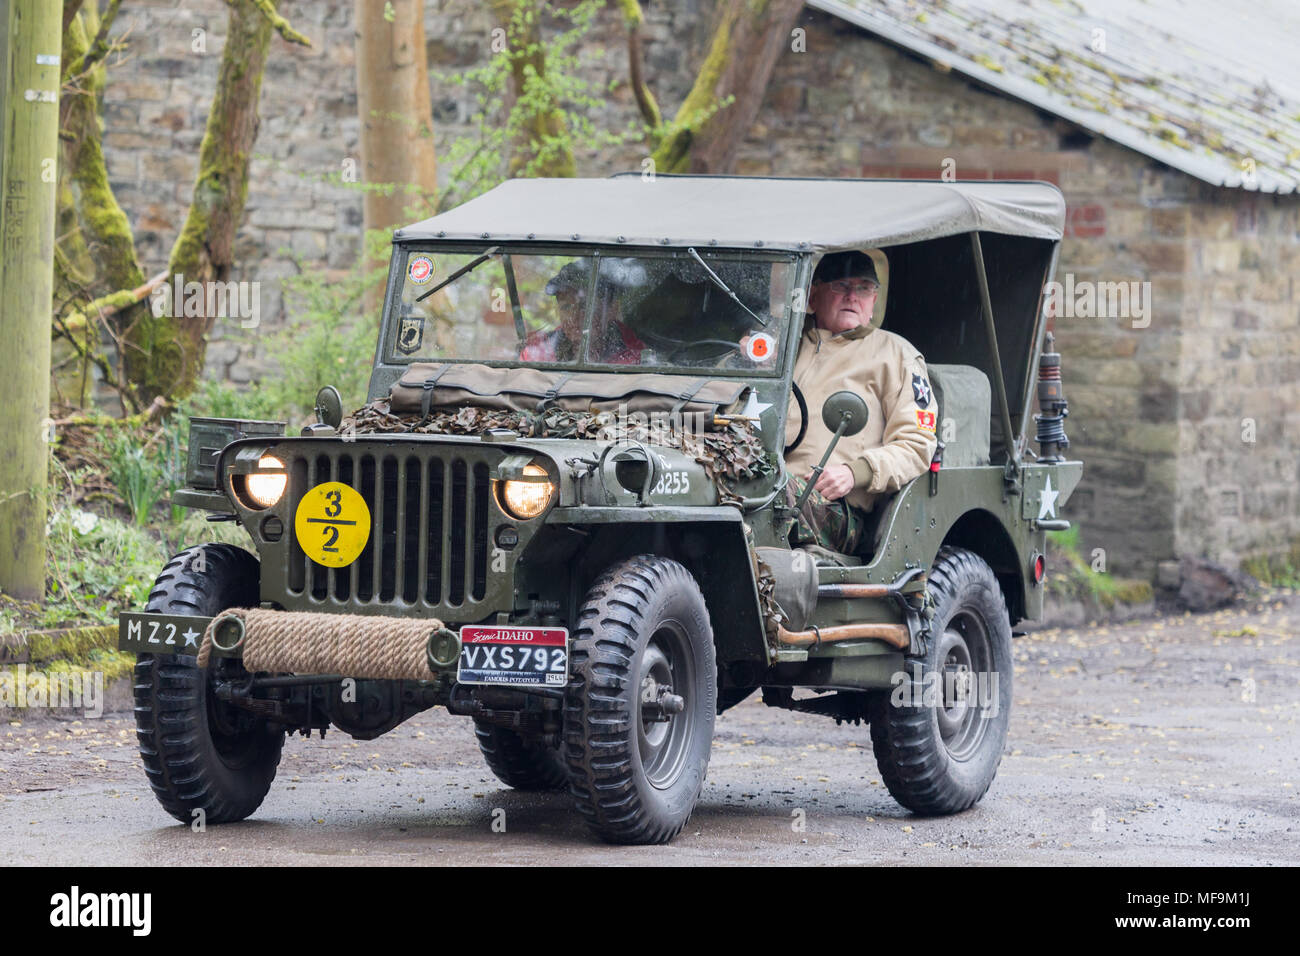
[(460, 272), (725, 288)]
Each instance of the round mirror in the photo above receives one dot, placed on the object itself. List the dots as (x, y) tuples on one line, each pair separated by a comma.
[(842, 405), (329, 406)]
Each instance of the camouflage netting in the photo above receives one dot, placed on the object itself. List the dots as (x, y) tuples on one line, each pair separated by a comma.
[(731, 453)]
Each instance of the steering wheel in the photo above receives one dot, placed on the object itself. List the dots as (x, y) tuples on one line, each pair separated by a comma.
[(803, 420), (683, 348)]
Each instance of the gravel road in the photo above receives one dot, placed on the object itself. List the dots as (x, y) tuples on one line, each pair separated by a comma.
[(1164, 741)]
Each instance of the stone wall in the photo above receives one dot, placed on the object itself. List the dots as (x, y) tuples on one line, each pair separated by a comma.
[(1157, 412)]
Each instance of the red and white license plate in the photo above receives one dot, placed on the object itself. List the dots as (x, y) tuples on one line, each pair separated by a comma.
[(514, 656)]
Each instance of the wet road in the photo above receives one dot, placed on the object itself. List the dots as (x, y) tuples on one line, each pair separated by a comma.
[(1166, 741)]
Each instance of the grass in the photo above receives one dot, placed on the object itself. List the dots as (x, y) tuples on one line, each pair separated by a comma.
[(1277, 571), (1073, 578)]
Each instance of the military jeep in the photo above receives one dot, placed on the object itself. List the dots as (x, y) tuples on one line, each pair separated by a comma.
[(562, 510)]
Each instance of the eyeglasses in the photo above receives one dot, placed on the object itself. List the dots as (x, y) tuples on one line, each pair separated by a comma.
[(846, 287)]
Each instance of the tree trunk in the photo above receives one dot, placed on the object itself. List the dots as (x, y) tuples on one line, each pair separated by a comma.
[(396, 117), (163, 355), (543, 136), (29, 60), (96, 246), (748, 39)]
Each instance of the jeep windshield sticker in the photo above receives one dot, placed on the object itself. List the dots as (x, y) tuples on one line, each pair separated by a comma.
[(420, 269), (410, 332), (760, 347)]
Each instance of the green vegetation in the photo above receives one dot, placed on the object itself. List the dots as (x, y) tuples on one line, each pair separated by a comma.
[(1277, 571), (542, 130), (1071, 576)]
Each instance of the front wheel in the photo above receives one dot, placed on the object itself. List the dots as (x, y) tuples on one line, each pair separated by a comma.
[(938, 736), (640, 706), (205, 759)]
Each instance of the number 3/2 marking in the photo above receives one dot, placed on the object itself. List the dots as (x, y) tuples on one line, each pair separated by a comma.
[(332, 524)]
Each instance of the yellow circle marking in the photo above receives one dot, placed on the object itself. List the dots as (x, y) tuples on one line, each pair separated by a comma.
[(332, 524)]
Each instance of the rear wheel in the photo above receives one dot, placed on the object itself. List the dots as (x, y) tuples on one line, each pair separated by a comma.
[(518, 762), (938, 737), (204, 758), (641, 702)]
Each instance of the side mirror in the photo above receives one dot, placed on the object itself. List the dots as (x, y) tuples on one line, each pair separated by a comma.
[(845, 413), (329, 406), (848, 408)]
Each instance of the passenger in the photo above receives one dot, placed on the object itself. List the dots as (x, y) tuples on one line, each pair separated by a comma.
[(613, 343), (840, 350)]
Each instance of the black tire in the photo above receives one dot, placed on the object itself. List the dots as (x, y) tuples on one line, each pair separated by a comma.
[(940, 756), (200, 754), (518, 762), (643, 626)]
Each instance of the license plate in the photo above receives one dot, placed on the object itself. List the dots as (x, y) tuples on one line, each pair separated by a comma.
[(514, 656), (145, 633)]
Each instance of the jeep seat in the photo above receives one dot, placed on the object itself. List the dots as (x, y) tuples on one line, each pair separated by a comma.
[(966, 400)]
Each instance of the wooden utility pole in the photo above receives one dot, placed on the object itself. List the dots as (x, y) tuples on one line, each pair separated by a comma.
[(29, 111)]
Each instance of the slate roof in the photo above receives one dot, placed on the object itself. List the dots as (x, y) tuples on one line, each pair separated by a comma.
[(1206, 86)]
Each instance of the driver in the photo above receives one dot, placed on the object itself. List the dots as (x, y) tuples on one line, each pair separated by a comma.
[(613, 342), (840, 350)]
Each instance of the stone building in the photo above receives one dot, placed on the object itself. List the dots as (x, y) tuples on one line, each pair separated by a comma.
[(1174, 140)]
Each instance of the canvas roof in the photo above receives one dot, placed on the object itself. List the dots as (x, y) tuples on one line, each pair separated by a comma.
[(806, 215)]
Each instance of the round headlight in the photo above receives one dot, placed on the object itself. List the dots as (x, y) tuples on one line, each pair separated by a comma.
[(528, 499), (266, 490)]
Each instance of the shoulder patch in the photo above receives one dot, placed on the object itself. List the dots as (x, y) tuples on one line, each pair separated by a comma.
[(921, 390), (925, 419)]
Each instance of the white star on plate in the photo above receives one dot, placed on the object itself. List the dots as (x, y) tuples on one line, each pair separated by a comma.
[(754, 408), (1047, 503), (191, 637)]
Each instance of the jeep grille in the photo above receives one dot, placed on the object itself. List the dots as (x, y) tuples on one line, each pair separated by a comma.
[(430, 523)]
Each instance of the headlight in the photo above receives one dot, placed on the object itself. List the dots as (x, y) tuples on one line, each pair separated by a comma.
[(528, 499), (266, 490)]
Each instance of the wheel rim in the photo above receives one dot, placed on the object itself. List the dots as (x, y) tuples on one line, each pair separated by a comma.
[(965, 652), (233, 732), (666, 667)]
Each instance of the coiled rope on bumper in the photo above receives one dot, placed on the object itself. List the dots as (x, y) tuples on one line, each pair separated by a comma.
[(307, 642)]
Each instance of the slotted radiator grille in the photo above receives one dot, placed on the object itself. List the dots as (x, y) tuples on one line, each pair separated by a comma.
[(429, 530)]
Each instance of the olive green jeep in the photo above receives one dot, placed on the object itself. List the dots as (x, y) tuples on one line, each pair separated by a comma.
[(561, 511)]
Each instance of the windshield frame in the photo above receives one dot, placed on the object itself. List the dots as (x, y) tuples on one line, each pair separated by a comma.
[(387, 355)]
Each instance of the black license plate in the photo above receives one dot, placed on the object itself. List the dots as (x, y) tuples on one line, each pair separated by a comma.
[(514, 656), (146, 633)]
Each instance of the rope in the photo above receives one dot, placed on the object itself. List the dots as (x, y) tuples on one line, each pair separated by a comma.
[(304, 642)]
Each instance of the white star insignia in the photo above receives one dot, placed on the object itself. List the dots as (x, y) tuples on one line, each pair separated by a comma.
[(754, 408), (1047, 503), (191, 638)]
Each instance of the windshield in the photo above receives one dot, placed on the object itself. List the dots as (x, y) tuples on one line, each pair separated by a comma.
[(666, 310)]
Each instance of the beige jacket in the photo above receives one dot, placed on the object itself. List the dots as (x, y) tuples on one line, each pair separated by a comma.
[(890, 375)]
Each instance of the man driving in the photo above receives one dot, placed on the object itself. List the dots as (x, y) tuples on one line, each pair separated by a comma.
[(612, 342), (839, 349)]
